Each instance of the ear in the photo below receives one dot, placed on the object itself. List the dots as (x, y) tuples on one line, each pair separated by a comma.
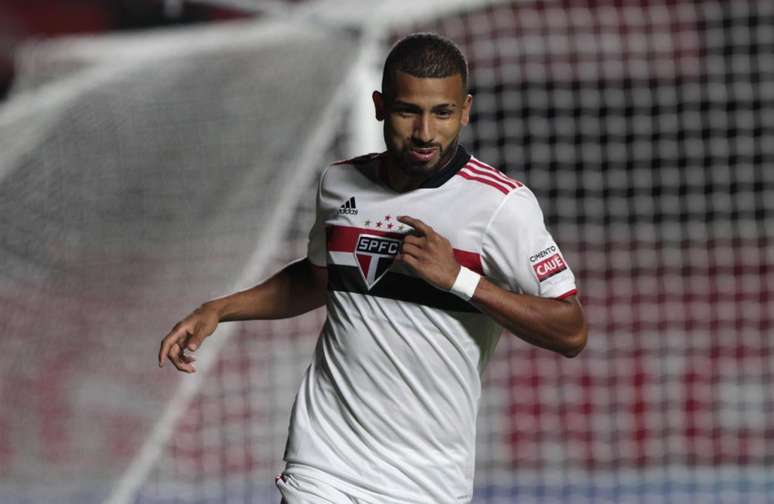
[(466, 106), (378, 105)]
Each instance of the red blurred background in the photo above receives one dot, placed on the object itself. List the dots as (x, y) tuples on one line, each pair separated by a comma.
[(22, 20)]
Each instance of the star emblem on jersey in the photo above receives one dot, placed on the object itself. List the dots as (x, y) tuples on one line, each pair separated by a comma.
[(374, 255)]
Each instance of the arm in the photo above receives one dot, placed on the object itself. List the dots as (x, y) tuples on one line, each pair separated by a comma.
[(555, 324), (298, 288)]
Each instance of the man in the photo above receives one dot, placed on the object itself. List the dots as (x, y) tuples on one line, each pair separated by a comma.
[(422, 254)]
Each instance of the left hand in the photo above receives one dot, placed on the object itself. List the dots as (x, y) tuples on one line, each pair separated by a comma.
[(428, 254)]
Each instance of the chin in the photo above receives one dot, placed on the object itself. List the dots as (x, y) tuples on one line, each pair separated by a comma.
[(414, 169)]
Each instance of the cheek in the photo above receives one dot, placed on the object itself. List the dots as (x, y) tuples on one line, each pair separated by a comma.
[(449, 131), (398, 131)]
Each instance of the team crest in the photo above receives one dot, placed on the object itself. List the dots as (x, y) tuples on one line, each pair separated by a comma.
[(374, 255)]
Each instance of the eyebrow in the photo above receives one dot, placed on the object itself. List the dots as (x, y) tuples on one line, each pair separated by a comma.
[(411, 106)]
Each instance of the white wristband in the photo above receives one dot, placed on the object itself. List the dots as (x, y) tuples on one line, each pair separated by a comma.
[(465, 284)]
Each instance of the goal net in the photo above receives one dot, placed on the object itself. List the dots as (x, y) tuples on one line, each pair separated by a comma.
[(139, 176), (644, 128)]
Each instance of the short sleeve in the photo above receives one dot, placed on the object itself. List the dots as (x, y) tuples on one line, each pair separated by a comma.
[(316, 250), (519, 253)]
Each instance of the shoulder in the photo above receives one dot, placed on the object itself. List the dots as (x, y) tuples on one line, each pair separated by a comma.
[(510, 201), (340, 181), (359, 160), (493, 189), (353, 169), (487, 179), (522, 206)]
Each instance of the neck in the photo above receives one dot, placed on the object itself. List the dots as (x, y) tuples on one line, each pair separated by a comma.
[(398, 180)]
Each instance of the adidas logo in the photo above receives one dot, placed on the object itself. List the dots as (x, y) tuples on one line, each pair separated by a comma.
[(348, 208)]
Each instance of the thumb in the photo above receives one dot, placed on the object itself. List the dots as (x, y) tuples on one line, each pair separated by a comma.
[(196, 338), (194, 342)]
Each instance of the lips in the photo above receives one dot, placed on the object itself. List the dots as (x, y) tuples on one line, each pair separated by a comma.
[(422, 155)]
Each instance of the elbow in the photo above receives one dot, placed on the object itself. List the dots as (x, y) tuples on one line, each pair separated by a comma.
[(576, 340), (575, 343)]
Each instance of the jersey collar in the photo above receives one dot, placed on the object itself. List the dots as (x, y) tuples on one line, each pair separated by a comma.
[(457, 162), (460, 159)]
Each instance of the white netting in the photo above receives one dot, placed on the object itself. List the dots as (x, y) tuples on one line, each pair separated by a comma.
[(644, 129), (229, 443), (130, 191)]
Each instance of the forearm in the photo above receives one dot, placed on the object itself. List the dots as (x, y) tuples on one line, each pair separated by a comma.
[(554, 324), (298, 288)]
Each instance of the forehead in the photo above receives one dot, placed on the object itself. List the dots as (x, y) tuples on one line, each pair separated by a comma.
[(427, 89)]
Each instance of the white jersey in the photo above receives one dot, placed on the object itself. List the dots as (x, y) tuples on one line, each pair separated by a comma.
[(387, 409)]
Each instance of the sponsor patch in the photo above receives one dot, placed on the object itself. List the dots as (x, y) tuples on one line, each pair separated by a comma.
[(375, 255), (543, 253), (549, 267)]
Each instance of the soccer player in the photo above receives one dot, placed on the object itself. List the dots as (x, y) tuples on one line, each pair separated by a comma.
[(422, 255)]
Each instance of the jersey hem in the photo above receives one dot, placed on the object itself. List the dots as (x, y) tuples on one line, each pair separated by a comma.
[(567, 294), (313, 473)]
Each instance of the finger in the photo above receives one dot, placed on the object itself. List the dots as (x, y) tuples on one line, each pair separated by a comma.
[(180, 339), (173, 354), (416, 224), (411, 249), (178, 358), (197, 336), (414, 240), (411, 253), (409, 260), (169, 340)]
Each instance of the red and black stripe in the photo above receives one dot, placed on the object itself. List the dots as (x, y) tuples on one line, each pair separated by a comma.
[(393, 285), (396, 286)]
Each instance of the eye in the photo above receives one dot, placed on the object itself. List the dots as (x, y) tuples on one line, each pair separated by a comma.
[(444, 114)]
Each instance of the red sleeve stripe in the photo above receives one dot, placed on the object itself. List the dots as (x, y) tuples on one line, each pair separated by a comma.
[(494, 170), (490, 175), (470, 260), (501, 188), (568, 294)]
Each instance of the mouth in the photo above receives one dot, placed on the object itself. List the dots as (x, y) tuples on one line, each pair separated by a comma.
[(422, 155)]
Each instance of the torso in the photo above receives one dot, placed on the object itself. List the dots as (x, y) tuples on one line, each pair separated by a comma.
[(388, 407)]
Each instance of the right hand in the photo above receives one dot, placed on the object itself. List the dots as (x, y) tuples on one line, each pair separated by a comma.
[(188, 335)]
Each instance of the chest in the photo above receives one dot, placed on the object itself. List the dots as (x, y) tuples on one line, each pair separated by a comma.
[(366, 207)]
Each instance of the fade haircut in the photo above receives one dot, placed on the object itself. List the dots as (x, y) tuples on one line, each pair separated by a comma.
[(424, 55)]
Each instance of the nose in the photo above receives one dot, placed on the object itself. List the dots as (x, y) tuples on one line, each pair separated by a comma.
[(423, 129)]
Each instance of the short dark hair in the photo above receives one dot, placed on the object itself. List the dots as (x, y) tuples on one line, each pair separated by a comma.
[(427, 55)]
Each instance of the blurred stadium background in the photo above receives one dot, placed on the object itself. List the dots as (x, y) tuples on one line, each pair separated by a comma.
[(155, 154)]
